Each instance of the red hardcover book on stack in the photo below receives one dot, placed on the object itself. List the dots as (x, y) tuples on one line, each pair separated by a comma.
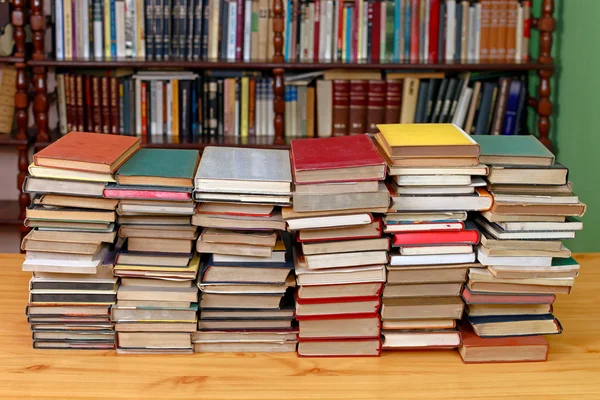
[(341, 106), (434, 30), (117, 193), (358, 107), (393, 101), (376, 104), (466, 236)]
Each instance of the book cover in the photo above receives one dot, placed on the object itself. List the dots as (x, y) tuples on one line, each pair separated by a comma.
[(165, 163), (375, 104), (358, 107), (509, 127), (469, 235), (340, 106), (393, 101), (513, 146)]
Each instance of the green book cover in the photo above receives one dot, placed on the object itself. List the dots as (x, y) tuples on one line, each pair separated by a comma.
[(562, 262), (519, 146), (163, 163)]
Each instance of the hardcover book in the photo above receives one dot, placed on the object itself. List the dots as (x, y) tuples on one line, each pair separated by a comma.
[(160, 167)]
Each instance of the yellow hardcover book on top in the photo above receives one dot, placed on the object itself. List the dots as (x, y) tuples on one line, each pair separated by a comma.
[(426, 140)]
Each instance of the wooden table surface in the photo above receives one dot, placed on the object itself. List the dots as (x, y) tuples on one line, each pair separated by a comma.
[(572, 369)]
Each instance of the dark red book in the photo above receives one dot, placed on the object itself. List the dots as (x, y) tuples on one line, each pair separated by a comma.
[(105, 100), (376, 32), (336, 316), (414, 30), (341, 106), (375, 105), (393, 101), (355, 24), (466, 236), (317, 18), (358, 107), (69, 89), (434, 30), (114, 106), (79, 103), (96, 105), (89, 109), (239, 31), (500, 298), (331, 155), (118, 193), (252, 107)]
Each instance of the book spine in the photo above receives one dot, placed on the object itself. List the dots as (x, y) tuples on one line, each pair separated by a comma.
[(120, 28), (512, 106), (382, 29), (414, 31), (494, 30), (213, 46), (519, 34), (144, 108), (511, 30), (502, 33), (375, 105), (358, 107), (252, 107), (114, 106), (197, 46), (149, 30), (254, 28), (59, 26), (132, 105), (182, 34), (68, 104), (150, 116), (211, 115), (62, 104), (450, 29), (239, 29), (477, 51), (341, 107), (78, 97), (190, 30), (434, 32), (113, 30), (500, 106), (88, 111), (96, 28), (376, 32), (167, 29), (67, 30), (526, 28), (96, 114), (458, 32), (423, 32), (220, 107), (152, 109), (140, 30), (76, 28), (157, 15), (121, 126), (393, 101), (464, 37), (130, 29), (206, 13), (244, 94), (247, 31), (105, 103)]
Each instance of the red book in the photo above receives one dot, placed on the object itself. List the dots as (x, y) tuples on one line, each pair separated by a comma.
[(239, 31), (340, 32), (358, 107), (79, 103), (341, 106), (466, 236), (336, 316), (414, 30), (513, 347), (144, 104), (375, 105), (114, 106), (339, 347), (498, 298), (376, 32), (105, 100), (434, 30), (111, 193), (355, 24), (317, 31), (335, 155), (324, 308), (96, 115), (89, 109), (393, 101)]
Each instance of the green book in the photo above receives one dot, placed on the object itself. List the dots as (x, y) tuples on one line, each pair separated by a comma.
[(564, 262), (525, 150), (160, 167)]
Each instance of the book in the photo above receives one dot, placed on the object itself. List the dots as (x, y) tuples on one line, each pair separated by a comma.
[(528, 175), (159, 167), (339, 348), (429, 339), (515, 325), (325, 202), (338, 326)]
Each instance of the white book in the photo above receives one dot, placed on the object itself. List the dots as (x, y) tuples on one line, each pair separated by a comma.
[(473, 202), (450, 29), (433, 180), (525, 261), (140, 37), (79, 24), (569, 225), (436, 250), (120, 22), (85, 19), (159, 109), (311, 277), (477, 31), (519, 38), (311, 33), (232, 6), (303, 38), (423, 226), (237, 118), (480, 169), (344, 260), (60, 50), (463, 106), (138, 106), (169, 114), (425, 45), (497, 232), (334, 221), (472, 48), (265, 106), (365, 31), (322, 19), (130, 29), (436, 259), (535, 199), (327, 43), (294, 111), (153, 113), (247, 30)]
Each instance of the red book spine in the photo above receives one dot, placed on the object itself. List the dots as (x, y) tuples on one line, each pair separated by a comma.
[(341, 105), (251, 107), (114, 106), (336, 316), (470, 236), (68, 102), (358, 107), (317, 32), (145, 194), (340, 32), (89, 112), (79, 102), (526, 29), (376, 32), (393, 101), (105, 90), (144, 102), (239, 31), (414, 30), (434, 30), (96, 105), (356, 23), (375, 105)]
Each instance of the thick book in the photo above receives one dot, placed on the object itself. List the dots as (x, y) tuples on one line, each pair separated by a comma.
[(470, 235), (515, 325), (349, 201), (160, 167), (524, 150)]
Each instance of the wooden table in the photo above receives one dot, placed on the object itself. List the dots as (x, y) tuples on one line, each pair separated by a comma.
[(572, 370)]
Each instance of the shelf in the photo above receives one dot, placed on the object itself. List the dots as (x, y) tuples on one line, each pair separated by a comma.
[(263, 65), (11, 60), (9, 212)]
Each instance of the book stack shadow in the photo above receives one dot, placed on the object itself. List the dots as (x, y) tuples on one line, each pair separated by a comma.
[(340, 255), (247, 283), (524, 263), (157, 299), (434, 179), (69, 249)]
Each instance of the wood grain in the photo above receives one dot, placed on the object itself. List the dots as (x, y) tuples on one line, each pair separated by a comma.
[(572, 369)]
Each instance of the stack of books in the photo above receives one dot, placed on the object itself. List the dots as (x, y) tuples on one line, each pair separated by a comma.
[(432, 188), (247, 283), (157, 300), (68, 250), (341, 256), (525, 263)]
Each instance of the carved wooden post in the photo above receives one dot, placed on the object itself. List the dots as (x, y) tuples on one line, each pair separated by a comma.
[(21, 104), (40, 100), (545, 24), (278, 85)]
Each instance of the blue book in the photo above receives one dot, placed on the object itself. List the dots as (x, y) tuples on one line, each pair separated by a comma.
[(158, 33), (113, 30), (495, 325), (458, 31), (205, 22), (407, 29), (149, 29), (512, 106), (288, 30), (197, 47), (60, 44), (349, 35), (166, 29), (397, 29)]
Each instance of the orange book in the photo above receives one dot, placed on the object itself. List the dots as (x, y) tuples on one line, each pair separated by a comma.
[(92, 152), (503, 27), (310, 112), (494, 28), (511, 31), (485, 33)]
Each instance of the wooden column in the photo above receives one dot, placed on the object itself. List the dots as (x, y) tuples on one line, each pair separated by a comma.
[(21, 104), (278, 85), (40, 100), (545, 25)]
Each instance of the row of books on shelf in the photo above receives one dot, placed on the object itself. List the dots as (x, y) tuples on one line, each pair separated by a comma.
[(164, 29), (425, 31), (178, 104)]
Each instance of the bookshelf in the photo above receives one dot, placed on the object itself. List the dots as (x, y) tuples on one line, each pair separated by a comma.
[(39, 63)]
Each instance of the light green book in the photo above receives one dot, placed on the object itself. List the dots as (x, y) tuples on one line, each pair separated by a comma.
[(522, 150), (160, 167)]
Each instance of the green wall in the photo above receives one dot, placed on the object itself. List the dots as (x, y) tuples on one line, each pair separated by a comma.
[(576, 97)]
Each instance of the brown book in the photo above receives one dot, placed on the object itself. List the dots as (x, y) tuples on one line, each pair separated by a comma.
[(252, 107), (88, 110), (114, 106), (71, 120), (410, 94), (422, 308), (503, 7), (393, 101), (96, 115), (310, 112), (105, 102), (340, 105), (79, 102), (486, 30), (500, 107), (464, 32), (358, 107), (575, 210), (494, 31), (376, 105), (493, 287), (511, 31)]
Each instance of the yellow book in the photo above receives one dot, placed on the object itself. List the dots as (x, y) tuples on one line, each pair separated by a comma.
[(175, 110), (107, 29), (141, 36), (68, 33), (426, 140), (244, 111)]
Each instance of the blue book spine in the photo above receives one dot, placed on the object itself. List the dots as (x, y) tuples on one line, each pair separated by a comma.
[(197, 50), (149, 31), (205, 21), (458, 30), (288, 30), (349, 34), (60, 40), (397, 31), (158, 35), (182, 29), (113, 30), (512, 106), (407, 30), (166, 29)]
